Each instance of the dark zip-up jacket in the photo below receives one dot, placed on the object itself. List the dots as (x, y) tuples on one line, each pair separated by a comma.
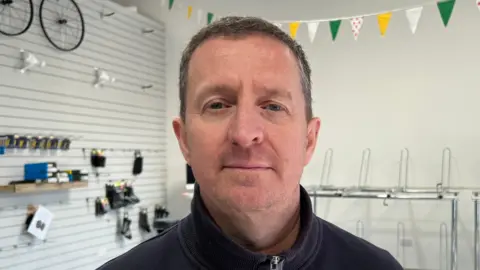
[(197, 243)]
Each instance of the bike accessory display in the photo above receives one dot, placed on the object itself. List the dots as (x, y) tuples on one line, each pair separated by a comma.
[(34, 143), (126, 226), (42, 144), (65, 144), (101, 206), (161, 211), (97, 158), (143, 220), (44, 171), (2, 145), (120, 194), (62, 23), (137, 163), (10, 142), (21, 142), (16, 16), (31, 209), (161, 221), (129, 195), (115, 194)]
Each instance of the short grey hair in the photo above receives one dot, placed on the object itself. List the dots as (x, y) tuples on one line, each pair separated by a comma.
[(237, 27)]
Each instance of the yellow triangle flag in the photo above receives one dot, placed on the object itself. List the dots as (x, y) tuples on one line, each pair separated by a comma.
[(189, 12), (294, 28), (383, 20)]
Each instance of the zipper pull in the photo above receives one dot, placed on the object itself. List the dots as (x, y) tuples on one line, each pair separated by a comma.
[(276, 263)]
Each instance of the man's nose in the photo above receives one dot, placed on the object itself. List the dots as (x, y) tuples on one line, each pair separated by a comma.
[(246, 127)]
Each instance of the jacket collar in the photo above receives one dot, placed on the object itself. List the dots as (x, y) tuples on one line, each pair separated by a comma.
[(212, 248)]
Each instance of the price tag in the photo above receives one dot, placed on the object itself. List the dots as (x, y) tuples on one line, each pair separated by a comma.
[(40, 223)]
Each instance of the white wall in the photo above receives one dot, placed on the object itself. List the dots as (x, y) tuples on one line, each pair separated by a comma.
[(417, 91), (60, 100)]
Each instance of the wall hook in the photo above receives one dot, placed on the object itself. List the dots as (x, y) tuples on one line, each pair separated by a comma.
[(104, 14), (147, 31), (102, 77), (30, 61), (385, 203)]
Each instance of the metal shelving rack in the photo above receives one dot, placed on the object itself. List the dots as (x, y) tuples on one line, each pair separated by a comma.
[(440, 191), (410, 196)]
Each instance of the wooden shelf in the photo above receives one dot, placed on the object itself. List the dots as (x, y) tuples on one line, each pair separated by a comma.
[(34, 187)]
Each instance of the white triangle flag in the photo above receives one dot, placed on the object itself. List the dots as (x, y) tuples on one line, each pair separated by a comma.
[(356, 26), (413, 16), (163, 2), (199, 16), (279, 25), (312, 30)]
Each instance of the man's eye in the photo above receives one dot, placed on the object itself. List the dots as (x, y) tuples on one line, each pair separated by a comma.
[(273, 107), (216, 106)]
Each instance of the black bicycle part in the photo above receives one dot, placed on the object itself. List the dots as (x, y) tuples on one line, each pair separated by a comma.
[(10, 9), (57, 25)]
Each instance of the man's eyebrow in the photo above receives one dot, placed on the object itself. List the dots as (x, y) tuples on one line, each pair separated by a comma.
[(214, 89), (276, 92)]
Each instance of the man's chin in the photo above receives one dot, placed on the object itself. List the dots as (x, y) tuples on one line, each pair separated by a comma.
[(249, 198)]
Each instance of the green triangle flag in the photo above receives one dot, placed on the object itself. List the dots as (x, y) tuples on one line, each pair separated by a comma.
[(170, 4), (334, 26), (209, 17), (446, 8)]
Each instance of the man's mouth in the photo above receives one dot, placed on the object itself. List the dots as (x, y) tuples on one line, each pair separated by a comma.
[(247, 166)]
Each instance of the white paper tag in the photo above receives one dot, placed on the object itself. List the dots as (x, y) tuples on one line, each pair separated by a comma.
[(40, 223)]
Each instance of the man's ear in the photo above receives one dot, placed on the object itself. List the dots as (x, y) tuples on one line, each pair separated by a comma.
[(179, 129), (313, 128)]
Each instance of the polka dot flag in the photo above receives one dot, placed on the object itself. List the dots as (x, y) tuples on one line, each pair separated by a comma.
[(356, 23)]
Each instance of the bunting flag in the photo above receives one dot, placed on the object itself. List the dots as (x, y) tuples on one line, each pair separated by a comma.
[(334, 27), (478, 4), (383, 21), (163, 2), (356, 26), (446, 8), (312, 30), (413, 16), (294, 28), (170, 4), (279, 25), (209, 17), (189, 14)]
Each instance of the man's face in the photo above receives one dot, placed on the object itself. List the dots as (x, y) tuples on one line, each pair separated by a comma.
[(245, 134)]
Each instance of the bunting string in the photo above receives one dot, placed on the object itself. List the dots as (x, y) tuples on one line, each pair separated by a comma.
[(412, 13)]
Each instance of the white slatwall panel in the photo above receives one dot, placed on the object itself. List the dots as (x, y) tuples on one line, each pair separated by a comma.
[(60, 100)]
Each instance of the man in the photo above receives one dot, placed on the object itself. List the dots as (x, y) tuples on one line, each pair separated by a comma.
[(247, 130)]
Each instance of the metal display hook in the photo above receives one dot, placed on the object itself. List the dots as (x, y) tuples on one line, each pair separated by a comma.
[(327, 165), (360, 229), (441, 185), (365, 163), (443, 258), (404, 161), (400, 237), (476, 230)]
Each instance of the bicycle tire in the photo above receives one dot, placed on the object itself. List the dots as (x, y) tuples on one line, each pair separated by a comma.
[(45, 32), (29, 24)]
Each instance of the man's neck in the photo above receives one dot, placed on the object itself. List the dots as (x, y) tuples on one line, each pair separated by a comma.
[(269, 232)]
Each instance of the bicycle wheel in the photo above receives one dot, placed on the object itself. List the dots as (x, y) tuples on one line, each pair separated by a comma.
[(16, 16), (62, 23)]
